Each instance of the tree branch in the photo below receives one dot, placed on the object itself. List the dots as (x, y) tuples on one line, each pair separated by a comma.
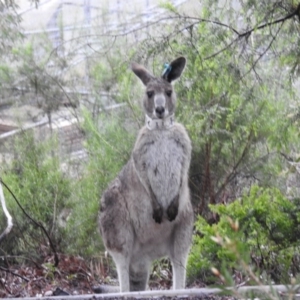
[(296, 12), (247, 33), (13, 273), (38, 224), (264, 52), (232, 174)]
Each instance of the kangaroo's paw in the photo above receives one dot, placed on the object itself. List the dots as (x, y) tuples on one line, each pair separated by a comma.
[(157, 214), (172, 210)]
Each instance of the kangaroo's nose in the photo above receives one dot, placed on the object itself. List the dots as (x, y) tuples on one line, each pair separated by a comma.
[(160, 110)]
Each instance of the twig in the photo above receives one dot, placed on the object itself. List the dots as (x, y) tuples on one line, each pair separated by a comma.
[(296, 12), (13, 273), (232, 174), (7, 214), (6, 287), (263, 53), (247, 33), (221, 50), (288, 158), (257, 281), (38, 224), (201, 20)]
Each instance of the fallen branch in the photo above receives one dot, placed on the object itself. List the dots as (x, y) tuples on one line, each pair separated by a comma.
[(13, 273), (7, 214), (265, 291)]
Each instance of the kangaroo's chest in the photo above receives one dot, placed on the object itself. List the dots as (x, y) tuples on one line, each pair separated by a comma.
[(164, 157), (163, 160)]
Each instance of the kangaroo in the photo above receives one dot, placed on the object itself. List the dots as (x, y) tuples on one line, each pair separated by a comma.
[(146, 212)]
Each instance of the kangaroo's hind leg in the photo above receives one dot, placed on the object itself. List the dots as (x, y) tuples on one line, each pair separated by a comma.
[(116, 230), (122, 264), (180, 247), (138, 275)]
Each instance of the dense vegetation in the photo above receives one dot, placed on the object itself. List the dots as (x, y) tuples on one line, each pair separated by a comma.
[(238, 100)]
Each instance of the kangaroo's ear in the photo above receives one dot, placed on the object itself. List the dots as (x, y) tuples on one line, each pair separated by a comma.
[(141, 73), (175, 69)]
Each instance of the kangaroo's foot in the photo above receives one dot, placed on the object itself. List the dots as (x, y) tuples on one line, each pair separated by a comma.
[(172, 210), (158, 214)]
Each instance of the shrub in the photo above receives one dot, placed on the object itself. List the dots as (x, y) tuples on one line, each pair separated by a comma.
[(267, 239), (108, 146), (35, 178)]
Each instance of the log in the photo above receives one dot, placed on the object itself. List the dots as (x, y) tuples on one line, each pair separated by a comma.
[(282, 290)]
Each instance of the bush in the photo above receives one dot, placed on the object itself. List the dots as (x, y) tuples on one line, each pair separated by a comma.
[(267, 239), (67, 208), (35, 178), (108, 145)]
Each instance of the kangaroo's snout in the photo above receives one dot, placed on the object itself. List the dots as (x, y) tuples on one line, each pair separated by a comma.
[(160, 111), (160, 106)]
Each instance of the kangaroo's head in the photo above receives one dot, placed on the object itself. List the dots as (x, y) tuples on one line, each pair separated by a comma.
[(160, 99)]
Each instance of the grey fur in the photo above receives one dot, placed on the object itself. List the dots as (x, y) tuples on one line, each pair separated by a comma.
[(146, 211)]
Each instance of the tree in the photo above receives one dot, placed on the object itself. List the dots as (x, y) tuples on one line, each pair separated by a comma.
[(236, 115)]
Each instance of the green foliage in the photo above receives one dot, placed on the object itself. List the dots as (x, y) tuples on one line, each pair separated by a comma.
[(235, 114), (68, 210), (267, 239), (109, 139), (168, 6), (108, 145), (10, 30), (36, 75), (43, 191), (236, 98)]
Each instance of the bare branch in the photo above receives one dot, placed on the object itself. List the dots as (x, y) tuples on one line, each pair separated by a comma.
[(247, 33), (221, 50), (296, 12), (201, 20), (7, 214), (264, 52), (232, 173), (38, 224), (13, 273)]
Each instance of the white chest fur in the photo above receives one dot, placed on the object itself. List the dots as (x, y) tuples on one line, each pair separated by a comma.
[(163, 162), (153, 124)]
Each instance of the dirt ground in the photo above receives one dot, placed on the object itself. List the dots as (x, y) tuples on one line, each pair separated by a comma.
[(72, 277)]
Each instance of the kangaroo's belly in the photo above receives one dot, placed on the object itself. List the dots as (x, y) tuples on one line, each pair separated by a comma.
[(164, 160), (153, 240)]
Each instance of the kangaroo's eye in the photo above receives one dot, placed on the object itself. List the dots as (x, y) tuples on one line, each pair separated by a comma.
[(150, 94), (169, 93)]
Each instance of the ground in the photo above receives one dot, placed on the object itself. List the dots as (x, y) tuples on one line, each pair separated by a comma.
[(73, 276)]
